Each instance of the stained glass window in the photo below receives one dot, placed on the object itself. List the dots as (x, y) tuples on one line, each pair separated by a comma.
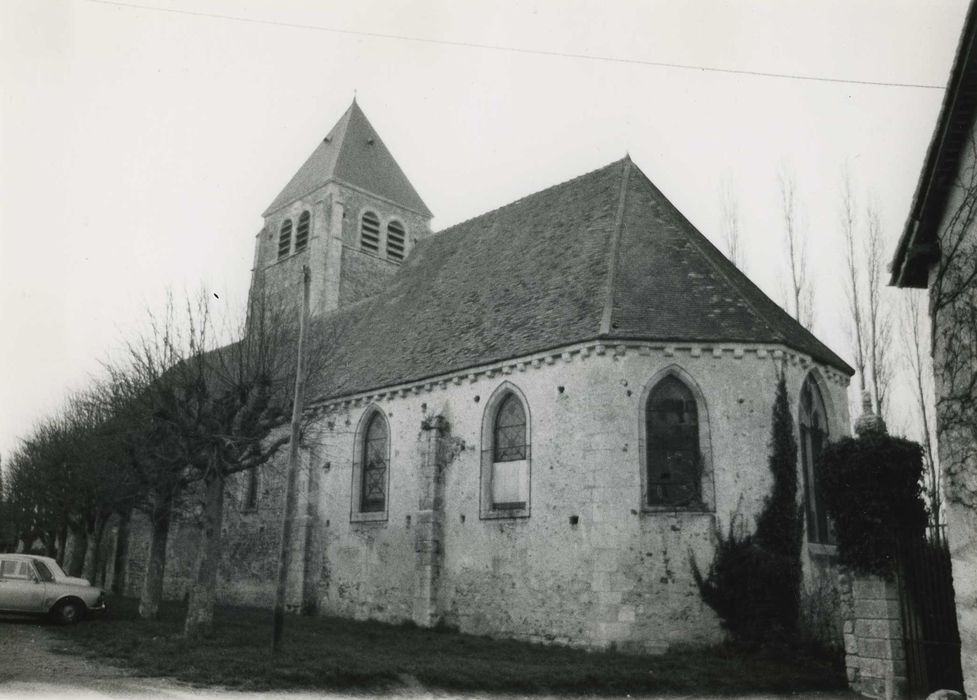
[(509, 438), (373, 496), (673, 459), (813, 432)]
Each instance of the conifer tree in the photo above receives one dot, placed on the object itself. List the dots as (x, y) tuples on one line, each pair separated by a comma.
[(778, 528)]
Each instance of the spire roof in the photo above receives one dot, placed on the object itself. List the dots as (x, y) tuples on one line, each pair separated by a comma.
[(352, 153)]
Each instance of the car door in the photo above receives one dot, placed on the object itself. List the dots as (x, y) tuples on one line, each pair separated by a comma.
[(20, 589)]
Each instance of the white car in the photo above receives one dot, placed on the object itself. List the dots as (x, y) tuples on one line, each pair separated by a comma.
[(32, 584)]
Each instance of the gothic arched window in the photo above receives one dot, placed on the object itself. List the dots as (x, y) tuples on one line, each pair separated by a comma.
[(373, 469), (505, 455), (673, 458), (813, 426), (395, 241), (370, 232), (285, 239), (302, 232)]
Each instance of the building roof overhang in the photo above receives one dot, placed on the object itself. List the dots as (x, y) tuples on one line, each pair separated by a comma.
[(918, 246)]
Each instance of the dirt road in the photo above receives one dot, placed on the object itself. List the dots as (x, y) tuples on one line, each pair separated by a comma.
[(31, 665)]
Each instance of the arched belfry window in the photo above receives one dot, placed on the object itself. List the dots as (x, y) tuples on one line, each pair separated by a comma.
[(285, 239), (370, 232), (673, 459), (373, 490), (395, 241), (813, 428), (505, 455), (302, 232)]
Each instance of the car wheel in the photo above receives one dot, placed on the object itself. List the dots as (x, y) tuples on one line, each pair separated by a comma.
[(69, 612)]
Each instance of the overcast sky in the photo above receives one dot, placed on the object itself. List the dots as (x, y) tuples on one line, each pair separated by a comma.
[(139, 146)]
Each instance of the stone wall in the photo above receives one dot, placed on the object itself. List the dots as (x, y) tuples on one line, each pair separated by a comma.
[(591, 566), (341, 272), (954, 374), (875, 658)]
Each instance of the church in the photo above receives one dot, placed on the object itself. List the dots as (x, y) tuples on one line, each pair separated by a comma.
[(530, 422)]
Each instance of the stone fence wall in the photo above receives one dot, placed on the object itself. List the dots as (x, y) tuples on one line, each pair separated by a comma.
[(875, 657)]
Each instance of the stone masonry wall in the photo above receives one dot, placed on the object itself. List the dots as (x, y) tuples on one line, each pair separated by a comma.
[(333, 252), (875, 658), (957, 451), (626, 570), (590, 566)]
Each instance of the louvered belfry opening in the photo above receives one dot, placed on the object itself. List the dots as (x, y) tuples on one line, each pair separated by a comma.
[(285, 239), (395, 241), (370, 232), (302, 232)]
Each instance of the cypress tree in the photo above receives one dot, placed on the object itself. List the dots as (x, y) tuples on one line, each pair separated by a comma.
[(778, 528)]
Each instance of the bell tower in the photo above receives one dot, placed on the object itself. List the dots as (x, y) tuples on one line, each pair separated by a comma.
[(349, 213)]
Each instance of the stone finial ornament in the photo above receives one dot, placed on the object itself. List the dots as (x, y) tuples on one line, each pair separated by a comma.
[(869, 422)]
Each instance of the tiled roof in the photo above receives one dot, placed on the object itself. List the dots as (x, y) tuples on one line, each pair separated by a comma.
[(604, 255), (352, 153)]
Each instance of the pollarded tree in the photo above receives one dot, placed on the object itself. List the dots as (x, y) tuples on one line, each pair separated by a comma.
[(215, 412)]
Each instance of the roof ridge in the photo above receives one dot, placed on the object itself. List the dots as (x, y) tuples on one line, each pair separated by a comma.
[(513, 203), (612, 253)]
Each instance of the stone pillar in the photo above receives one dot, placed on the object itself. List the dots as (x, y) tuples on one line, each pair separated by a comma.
[(875, 657), (428, 533), (875, 654)]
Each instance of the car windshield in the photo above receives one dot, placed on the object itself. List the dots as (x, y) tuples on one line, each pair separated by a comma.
[(53, 567), (43, 572)]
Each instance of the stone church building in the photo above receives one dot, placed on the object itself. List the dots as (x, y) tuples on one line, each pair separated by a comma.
[(530, 420)]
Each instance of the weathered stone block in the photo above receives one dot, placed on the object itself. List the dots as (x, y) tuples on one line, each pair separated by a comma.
[(878, 629)]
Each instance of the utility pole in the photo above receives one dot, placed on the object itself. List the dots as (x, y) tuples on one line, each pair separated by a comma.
[(285, 555)]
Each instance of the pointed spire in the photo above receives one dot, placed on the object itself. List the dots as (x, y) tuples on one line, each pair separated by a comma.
[(352, 153)]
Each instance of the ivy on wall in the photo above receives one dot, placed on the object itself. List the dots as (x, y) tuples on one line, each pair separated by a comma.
[(753, 582), (873, 493)]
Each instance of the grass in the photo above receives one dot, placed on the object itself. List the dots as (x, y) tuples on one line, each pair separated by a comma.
[(325, 653)]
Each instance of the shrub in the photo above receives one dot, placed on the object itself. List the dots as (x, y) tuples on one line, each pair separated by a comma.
[(753, 582), (873, 493), (744, 586)]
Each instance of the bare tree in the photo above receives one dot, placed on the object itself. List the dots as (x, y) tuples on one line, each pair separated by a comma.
[(730, 224), (801, 291), (848, 216), (916, 357), (879, 319)]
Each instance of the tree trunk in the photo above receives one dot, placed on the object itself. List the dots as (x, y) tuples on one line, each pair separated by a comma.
[(62, 543), (50, 542), (121, 559), (96, 529), (77, 541), (200, 611), (152, 583)]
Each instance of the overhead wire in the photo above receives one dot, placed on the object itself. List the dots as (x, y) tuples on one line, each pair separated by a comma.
[(524, 50)]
